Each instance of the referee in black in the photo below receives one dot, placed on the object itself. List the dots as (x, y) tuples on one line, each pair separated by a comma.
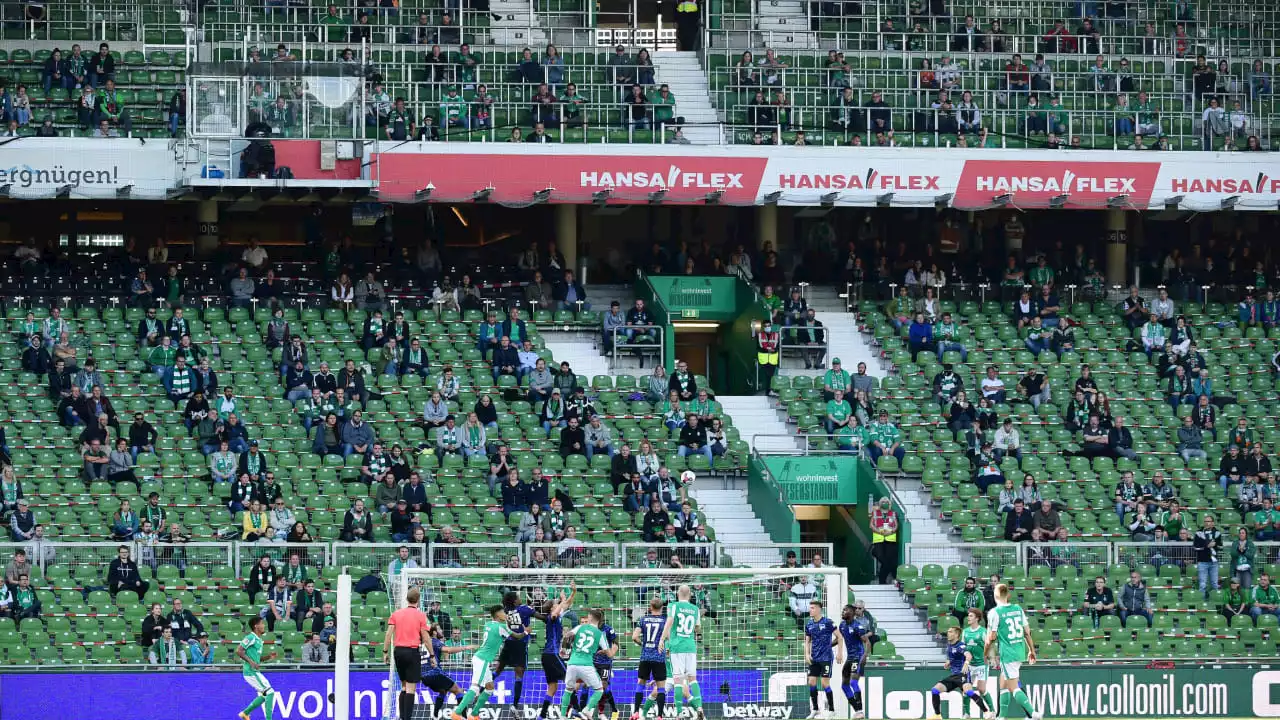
[(410, 631)]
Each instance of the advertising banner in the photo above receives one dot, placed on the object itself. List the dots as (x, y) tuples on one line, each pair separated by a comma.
[(816, 479), (1122, 691), (84, 167), (746, 175)]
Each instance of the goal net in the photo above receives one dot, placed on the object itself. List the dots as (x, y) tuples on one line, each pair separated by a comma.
[(750, 660)]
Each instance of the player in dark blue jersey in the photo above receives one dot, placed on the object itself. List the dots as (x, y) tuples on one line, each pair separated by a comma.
[(958, 665), (515, 650), (858, 646), (434, 676), (818, 634), (553, 634), (653, 661)]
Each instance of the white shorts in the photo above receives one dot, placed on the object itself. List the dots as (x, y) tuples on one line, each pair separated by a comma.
[(684, 664), (481, 673), (1010, 670), (259, 683), (586, 673), (977, 674)]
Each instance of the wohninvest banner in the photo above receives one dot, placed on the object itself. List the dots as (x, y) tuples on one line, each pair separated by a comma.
[(733, 694)]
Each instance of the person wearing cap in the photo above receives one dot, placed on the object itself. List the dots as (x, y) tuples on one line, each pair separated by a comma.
[(1237, 600), (253, 462), (202, 653), (837, 378), (884, 540), (885, 439), (448, 439), (612, 323), (22, 523), (553, 412)]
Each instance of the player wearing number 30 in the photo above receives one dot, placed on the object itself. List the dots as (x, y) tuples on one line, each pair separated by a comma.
[(585, 640), (680, 637), (818, 633), (1009, 641), (495, 632)]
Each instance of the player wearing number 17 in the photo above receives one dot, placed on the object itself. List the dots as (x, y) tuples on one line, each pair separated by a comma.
[(495, 632), (680, 637), (250, 653), (818, 633), (1009, 642)]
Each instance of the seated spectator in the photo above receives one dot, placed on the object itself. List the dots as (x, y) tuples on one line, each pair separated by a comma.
[(1099, 600), (448, 439), (357, 524), (223, 463), (122, 574), (920, 336), (1264, 598), (357, 435), (599, 439), (1231, 469), (1046, 522), (1120, 440), (202, 653), (885, 438), (654, 522), (473, 437), (120, 464), (573, 440), (254, 523), (506, 359), (1034, 388)]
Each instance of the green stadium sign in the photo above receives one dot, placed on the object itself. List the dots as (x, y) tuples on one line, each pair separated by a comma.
[(816, 479)]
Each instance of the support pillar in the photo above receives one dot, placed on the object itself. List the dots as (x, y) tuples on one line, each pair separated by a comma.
[(1117, 225), (567, 235), (207, 236), (767, 226)]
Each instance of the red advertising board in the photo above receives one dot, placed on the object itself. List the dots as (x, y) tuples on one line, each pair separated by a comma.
[(572, 178), (1034, 183)]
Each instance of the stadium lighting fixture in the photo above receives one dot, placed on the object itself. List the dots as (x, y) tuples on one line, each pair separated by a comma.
[(601, 197), (1118, 202), (1057, 201), (941, 202), (885, 200), (543, 195), (656, 197), (829, 200), (425, 193), (1172, 203), (1230, 202), (64, 191), (773, 197), (713, 197), (1002, 200), (124, 193), (482, 195)]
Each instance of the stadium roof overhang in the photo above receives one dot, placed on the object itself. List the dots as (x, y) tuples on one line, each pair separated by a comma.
[(284, 191)]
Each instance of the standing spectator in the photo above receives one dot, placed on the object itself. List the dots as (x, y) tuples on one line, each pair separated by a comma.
[(884, 540), (1207, 544)]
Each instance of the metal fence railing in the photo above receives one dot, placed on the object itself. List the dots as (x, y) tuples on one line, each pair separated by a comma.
[(637, 340), (994, 556)]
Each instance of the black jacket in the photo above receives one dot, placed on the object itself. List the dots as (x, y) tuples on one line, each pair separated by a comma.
[(185, 625), (142, 435), (569, 437), (507, 357), (122, 574), (101, 65), (1013, 521), (693, 437), (59, 382)]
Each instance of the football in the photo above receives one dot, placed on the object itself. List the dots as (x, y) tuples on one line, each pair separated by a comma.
[(687, 477)]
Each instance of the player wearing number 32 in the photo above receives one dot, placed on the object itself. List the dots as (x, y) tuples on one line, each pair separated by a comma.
[(585, 641), (1009, 640)]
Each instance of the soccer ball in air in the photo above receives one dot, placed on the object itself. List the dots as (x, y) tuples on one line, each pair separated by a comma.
[(687, 477)]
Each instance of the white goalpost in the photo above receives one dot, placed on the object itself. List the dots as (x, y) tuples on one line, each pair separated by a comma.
[(750, 650)]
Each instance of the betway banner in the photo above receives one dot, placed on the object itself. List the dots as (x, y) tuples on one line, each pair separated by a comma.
[(739, 694), (743, 175), (87, 167)]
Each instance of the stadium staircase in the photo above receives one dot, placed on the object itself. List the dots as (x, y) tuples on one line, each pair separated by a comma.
[(683, 73), (759, 423), (784, 25), (896, 620), (724, 502), (515, 24), (580, 349), (844, 340)]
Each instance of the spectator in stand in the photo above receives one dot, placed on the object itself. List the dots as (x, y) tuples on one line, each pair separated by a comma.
[(1207, 545), (1034, 388), (1264, 598), (357, 435), (241, 289), (1046, 522), (1099, 600), (357, 524), (120, 464), (1019, 524), (122, 574), (884, 439)]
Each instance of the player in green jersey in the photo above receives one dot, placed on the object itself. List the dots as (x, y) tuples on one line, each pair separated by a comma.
[(250, 653), (974, 638), (494, 634), (1009, 642), (584, 642), (680, 637)]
